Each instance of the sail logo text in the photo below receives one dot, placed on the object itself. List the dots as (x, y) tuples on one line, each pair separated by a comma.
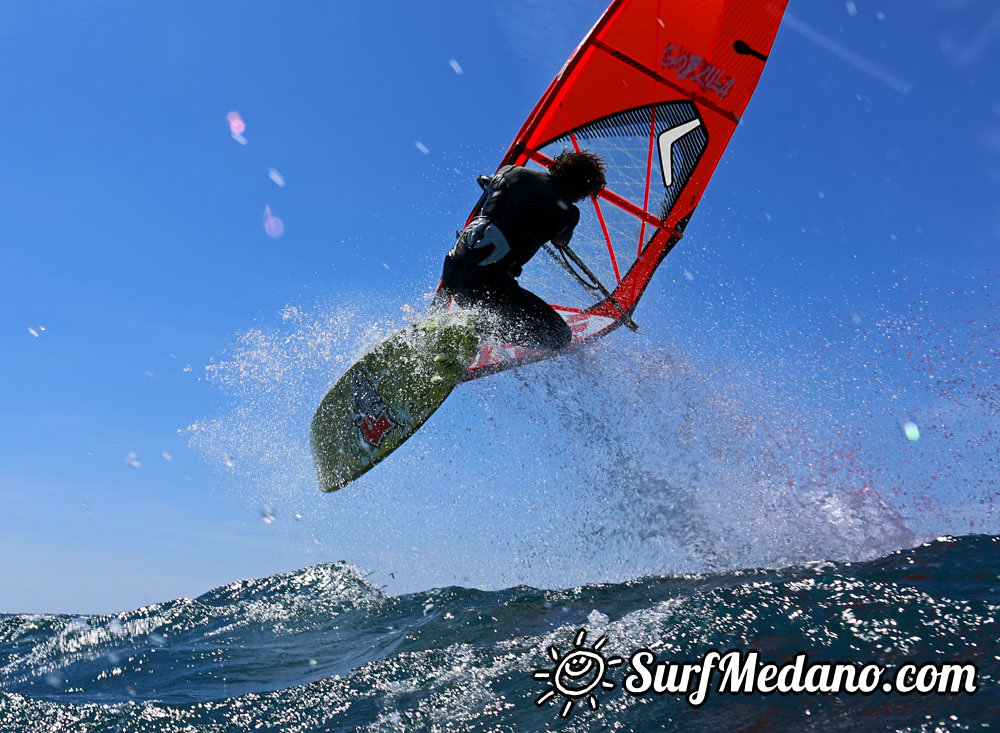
[(693, 67)]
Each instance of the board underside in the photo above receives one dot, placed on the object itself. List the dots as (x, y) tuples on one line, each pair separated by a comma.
[(389, 393)]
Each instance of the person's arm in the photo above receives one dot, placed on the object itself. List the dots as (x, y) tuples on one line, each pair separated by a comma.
[(484, 183), (561, 239), (487, 184)]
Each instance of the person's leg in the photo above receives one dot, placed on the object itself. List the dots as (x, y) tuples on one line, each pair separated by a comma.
[(517, 316)]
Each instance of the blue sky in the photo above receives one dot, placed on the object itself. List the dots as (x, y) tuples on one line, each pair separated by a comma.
[(862, 182)]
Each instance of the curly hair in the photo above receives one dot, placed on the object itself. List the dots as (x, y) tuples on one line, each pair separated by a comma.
[(578, 174)]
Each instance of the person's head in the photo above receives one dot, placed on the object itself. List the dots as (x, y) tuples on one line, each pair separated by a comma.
[(578, 175)]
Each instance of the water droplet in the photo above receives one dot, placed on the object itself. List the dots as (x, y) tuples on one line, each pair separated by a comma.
[(911, 430), (267, 514), (275, 176), (166, 456), (455, 66), (313, 662), (33, 332), (852, 9), (422, 148), (229, 461), (132, 460)]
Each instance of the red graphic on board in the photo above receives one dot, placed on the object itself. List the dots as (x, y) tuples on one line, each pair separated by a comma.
[(374, 427), (370, 412)]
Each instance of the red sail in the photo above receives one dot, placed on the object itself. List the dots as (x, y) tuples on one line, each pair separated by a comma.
[(656, 88)]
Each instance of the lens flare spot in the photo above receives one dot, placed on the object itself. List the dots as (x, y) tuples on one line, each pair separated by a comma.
[(911, 430), (274, 226), (236, 124)]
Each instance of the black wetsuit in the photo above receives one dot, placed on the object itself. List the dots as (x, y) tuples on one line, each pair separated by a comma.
[(519, 211)]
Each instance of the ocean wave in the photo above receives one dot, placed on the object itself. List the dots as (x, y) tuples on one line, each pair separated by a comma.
[(322, 648)]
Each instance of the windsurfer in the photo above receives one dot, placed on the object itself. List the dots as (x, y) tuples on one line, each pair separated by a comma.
[(519, 211)]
